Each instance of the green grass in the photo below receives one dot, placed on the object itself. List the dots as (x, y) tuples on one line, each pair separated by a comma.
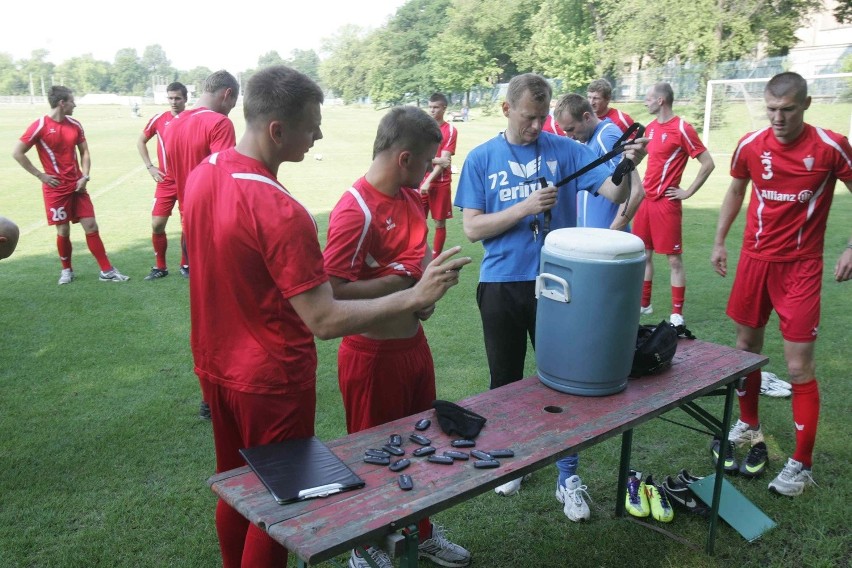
[(104, 461)]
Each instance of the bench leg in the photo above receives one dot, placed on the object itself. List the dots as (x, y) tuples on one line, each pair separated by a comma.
[(412, 541), (720, 467), (624, 466)]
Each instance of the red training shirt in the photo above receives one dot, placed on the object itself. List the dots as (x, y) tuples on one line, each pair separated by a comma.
[(792, 189), (252, 246), (371, 234), (671, 144), (56, 144)]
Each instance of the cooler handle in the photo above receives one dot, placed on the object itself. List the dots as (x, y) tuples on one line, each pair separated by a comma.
[(540, 290)]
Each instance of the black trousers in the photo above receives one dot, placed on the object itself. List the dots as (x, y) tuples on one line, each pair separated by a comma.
[(508, 311)]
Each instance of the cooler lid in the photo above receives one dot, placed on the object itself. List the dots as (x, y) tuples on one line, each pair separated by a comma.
[(598, 244)]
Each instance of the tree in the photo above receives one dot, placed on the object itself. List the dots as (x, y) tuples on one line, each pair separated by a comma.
[(399, 70), (563, 44), (474, 47), (843, 12), (129, 76), (344, 72), (268, 59), (306, 61), (84, 74), (11, 80), (157, 65)]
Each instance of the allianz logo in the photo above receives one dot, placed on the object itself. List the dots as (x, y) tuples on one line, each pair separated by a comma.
[(802, 197)]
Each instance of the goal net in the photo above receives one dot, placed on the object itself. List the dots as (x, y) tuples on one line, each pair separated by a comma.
[(735, 106)]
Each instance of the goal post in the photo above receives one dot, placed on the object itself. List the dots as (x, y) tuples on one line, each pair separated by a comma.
[(746, 97)]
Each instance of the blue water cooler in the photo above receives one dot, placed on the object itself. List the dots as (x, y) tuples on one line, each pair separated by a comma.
[(588, 291)]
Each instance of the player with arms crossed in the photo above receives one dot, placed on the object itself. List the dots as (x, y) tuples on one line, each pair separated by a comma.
[(435, 188), (376, 246), (253, 332), (793, 168), (58, 138), (165, 195)]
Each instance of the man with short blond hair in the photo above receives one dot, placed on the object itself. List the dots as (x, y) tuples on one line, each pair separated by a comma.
[(793, 168)]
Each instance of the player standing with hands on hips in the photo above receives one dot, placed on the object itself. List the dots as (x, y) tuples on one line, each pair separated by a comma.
[(793, 168), (64, 181), (659, 220), (165, 195)]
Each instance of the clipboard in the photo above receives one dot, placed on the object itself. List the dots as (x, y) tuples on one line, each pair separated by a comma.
[(299, 469)]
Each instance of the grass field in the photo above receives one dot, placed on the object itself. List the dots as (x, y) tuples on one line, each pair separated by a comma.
[(104, 460)]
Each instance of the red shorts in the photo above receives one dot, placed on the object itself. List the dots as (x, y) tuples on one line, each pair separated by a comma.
[(439, 201), (658, 223), (165, 197), (62, 208), (243, 420), (382, 380), (791, 288)]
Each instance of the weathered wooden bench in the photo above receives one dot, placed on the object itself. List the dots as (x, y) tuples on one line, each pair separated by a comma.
[(538, 423)]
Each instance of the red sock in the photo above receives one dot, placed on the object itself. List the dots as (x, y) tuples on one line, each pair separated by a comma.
[(63, 245), (184, 259), (748, 398), (424, 529), (440, 239), (678, 295), (96, 247), (646, 293), (161, 243), (805, 418)]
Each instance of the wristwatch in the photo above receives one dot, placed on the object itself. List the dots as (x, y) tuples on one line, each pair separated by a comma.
[(85, 177)]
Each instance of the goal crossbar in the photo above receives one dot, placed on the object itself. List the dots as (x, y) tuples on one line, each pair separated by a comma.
[(708, 99)]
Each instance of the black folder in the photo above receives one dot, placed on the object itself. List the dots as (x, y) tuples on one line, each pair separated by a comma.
[(299, 469)]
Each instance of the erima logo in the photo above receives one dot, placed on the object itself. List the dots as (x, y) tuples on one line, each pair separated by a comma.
[(799, 427), (389, 224), (521, 191), (766, 160), (521, 171), (809, 163)]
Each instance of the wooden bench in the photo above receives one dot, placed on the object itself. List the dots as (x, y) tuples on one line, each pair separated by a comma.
[(538, 423)]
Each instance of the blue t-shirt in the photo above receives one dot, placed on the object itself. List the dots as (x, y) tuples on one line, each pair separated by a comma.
[(596, 210), (497, 175)]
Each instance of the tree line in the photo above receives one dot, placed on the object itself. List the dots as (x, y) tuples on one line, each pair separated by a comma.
[(459, 45)]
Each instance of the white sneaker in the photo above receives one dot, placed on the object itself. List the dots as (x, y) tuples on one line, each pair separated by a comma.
[(511, 487), (441, 551), (741, 434), (676, 320), (646, 310), (792, 479), (66, 276), (771, 385), (113, 275), (377, 555), (571, 496)]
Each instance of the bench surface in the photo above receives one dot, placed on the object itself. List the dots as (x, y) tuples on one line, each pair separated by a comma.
[(538, 423)]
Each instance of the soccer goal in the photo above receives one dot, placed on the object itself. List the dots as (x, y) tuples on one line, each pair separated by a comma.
[(733, 107)]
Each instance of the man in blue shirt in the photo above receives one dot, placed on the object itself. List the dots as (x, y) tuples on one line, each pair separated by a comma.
[(504, 206), (575, 116)]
